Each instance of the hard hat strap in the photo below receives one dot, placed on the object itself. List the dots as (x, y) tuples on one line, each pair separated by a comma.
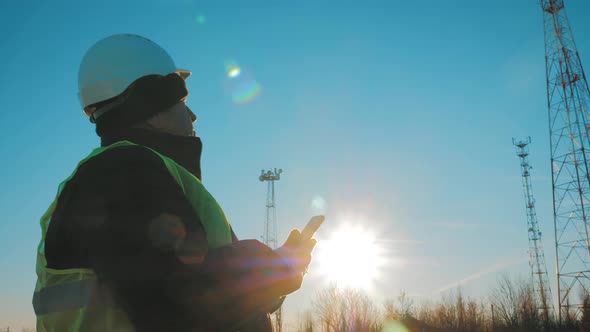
[(100, 110)]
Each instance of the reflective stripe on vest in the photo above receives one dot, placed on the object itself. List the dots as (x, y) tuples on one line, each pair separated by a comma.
[(73, 299)]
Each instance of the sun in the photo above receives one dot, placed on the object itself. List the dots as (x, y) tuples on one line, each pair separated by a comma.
[(350, 257)]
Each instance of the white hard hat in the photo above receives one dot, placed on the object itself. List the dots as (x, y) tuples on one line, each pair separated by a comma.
[(113, 63)]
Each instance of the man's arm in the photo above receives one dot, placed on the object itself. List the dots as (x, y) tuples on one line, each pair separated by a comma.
[(124, 216)]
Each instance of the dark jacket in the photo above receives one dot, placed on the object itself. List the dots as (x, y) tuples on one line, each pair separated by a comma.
[(125, 217)]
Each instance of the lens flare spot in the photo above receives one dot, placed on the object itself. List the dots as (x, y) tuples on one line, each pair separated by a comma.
[(318, 205), (394, 326), (233, 72), (232, 69), (247, 92), (201, 19), (240, 84)]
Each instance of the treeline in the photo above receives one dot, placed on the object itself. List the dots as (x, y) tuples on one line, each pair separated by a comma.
[(510, 306)]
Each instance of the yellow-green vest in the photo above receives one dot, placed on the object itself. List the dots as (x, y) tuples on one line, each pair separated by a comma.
[(73, 300)]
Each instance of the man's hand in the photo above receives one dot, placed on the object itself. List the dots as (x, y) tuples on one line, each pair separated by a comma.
[(296, 251)]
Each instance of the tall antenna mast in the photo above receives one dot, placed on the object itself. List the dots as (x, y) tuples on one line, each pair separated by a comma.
[(270, 224), (568, 101), (539, 274)]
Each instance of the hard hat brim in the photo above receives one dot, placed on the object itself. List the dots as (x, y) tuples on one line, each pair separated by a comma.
[(183, 73)]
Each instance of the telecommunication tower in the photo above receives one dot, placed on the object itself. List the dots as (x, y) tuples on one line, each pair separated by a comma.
[(567, 101), (270, 224), (539, 274)]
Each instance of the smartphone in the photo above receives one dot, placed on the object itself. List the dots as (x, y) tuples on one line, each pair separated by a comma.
[(312, 226)]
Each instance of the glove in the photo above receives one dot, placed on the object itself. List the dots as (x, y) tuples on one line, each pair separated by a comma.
[(296, 252)]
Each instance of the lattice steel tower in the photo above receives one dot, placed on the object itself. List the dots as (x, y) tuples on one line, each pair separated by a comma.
[(567, 100), (539, 275), (270, 225)]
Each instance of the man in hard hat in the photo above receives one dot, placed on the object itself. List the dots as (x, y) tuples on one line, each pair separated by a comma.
[(133, 240)]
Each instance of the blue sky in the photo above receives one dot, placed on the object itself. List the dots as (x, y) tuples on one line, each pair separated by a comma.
[(398, 113)]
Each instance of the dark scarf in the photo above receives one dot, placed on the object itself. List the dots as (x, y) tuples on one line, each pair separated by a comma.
[(184, 150)]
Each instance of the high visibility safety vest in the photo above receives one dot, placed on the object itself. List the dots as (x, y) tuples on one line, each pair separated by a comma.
[(74, 300)]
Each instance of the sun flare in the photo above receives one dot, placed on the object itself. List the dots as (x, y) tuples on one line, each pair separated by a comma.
[(350, 257)]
